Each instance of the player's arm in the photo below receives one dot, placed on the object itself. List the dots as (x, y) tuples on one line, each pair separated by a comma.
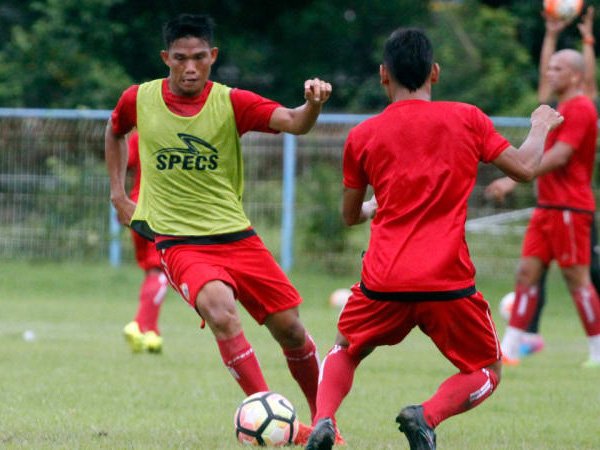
[(300, 120), (553, 29), (116, 154), (523, 164), (586, 28), (354, 209)]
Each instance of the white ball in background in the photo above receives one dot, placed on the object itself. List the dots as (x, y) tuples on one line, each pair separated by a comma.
[(506, 305), (339, 297), (28, 335)]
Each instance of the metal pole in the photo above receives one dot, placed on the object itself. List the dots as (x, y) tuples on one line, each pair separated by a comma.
[(288, 200), (114, 247)]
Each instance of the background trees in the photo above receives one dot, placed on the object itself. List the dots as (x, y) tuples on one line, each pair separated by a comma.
[(83, 53)]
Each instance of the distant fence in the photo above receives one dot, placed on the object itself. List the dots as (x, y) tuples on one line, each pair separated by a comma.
[(54, 193)]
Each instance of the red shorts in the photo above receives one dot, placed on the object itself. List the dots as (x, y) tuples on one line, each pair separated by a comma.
[(560, 235), (146, 254), (462, 329), (246, 265)]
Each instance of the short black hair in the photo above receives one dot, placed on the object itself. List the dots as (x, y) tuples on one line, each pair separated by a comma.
[(408, 56), (189, 25)]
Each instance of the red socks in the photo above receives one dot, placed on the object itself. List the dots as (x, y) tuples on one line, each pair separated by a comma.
[(526, 299), (588, 307), (152, 293), (337, 375), (303, 363), (239, 357), (458, 394)]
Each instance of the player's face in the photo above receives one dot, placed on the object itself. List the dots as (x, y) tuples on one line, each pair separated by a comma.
[(190, 60), (560, 74)]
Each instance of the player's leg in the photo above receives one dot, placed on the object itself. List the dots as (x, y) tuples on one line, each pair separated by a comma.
[(533, 341), (216, 304), (595, 257), (299, 350), (473, 348), (143, 333), (588, 307)]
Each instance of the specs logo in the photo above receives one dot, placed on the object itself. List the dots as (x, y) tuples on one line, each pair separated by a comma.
[(197, 154)]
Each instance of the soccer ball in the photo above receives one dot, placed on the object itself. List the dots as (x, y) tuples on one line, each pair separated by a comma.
[(506, 305), (266, 418), (339, 297), (563, 9)]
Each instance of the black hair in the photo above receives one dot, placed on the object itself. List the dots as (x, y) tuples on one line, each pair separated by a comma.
[(408, 56), (188, 25)]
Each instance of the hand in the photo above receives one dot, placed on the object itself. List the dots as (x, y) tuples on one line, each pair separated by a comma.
[(547, 116), (369, 208), (586, 26), (316, 92), (555, 26), (498, 189), (125, 209)]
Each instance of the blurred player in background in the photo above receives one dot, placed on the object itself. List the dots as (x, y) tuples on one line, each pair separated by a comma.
[(562, 227), (190, 200), (421, 159), (142, 332)]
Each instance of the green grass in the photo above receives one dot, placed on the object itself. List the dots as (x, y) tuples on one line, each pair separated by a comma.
[(77, 386)]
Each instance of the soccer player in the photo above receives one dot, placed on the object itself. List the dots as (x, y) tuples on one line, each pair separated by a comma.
[(563, 221), (190, 200), (421, 158), (142, 332)]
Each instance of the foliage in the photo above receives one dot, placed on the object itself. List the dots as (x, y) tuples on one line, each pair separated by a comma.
[(84, 53)]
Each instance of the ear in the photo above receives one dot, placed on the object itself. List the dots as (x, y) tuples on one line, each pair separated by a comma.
[(164, 55), (384, 77), (214, 52), (435, 73)]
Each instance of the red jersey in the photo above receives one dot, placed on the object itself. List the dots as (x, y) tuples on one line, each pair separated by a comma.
[(133, 165), (570, 187), (421, 158), (252, 112)]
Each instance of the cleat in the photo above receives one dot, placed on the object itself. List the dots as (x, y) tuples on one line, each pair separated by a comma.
[(303, 434), (412, 423), (152, 342), (531, 345), (134, 337), (323, 436), (591, 364), (510, 362)]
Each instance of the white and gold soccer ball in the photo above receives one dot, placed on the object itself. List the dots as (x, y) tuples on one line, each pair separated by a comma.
[(506, 305), (266, 419), (339, 297), (563, 9)]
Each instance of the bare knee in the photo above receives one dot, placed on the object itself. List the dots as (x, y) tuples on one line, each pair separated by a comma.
[(496, 368), (287, 329), (216, 304)]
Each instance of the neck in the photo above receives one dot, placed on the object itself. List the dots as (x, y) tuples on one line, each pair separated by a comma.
[(569, 94), (399, 93)]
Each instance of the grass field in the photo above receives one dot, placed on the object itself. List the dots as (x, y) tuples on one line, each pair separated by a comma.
[(77, 386)]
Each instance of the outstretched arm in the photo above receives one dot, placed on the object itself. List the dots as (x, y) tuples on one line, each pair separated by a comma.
[(553, 30), (300, 120), (586, 28)]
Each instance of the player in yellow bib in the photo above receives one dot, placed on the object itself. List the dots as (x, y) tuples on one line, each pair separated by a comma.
[(190, 200)]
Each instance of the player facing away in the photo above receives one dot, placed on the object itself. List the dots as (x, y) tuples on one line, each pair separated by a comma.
[(190, 200), (142, 332), (532, 341), (421, 159), (561, 226)]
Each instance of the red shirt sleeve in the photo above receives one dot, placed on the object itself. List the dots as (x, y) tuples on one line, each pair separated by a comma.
[(575, 127), (124, 116), (354, 174), (492, 143), (252, 112)]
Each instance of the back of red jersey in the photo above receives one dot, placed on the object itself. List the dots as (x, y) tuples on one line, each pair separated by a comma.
[(421, 158)]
